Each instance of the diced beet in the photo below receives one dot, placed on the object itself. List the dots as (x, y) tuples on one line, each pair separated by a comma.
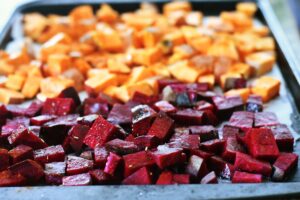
[(204, 105), (140, 177), (100, 177), (4, 114), (165, 178), (231, 147), (181, 178), (190, 87), (100, 156), (189, 117), (49, 154), (25, 137), (181, 130), (161, 127), (7, 178), (95, 106), (54, 172), (265, 119), (146, 141), (113, 161), (261, 144), (246, 163), (107, 99), (229, 132), (245, 177), (210, 118), (184, 141), (35, 130), (34, 108), (196, 167), (209, 178), (77, 165), (164, 106), (215, 146), (144, 99), (284, 165), (283, 137), (162, 83), (121, 147), (142, 117), (134, 161), (100, 132), (235, 83), (201, 154), (87, 120), (242, 119), (220, 167), (254, 104), (206, 96), (13, 124), (4, 159), (130, 138), (120, 114), (206, 132), (183, 100), (42, 119), (20, 153), (165, 156), (227, 105), (58, 106), (87, 155), (70, 92), (77, 180), (29, 169), (16, 110), (77, 134)]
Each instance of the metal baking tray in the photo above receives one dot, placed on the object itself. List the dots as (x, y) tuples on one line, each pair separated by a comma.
[(286, 107)]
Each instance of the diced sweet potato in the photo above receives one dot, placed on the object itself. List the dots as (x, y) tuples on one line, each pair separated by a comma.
[(100, 156), (165, 156), (107, 14), (100, 132), (209, 178), (4, 159), (265, 119), (57, 63), (241, 68), (247, 8), (210, 79), (77, 165), (52, 86), (116, 66), (29, 169), (246, 163), (10, 97), (77, 180), (97, 83), (54, 172), (244, 177), (113, 161), (142, 119), (254, 103), (15, 82), (266, 87), (121, 147), (140, 177), (196, 167), (100, 177), (20, 153), (161, 126), (176, 6), (183, 72), (58, 106), (283, 137), (107, 38), (49, 154), (261, 62), (225, 48), (285, 163)]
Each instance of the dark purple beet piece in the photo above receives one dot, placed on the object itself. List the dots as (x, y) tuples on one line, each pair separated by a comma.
[(184, 141), (100, 177), (34, 109), (87, 155), (242, 119), (95, 106), (58, 106), (142, 117), (77, 180), (77, 165), (206, 132), (112, 164), (49, 154), (30, 169), (231, 147), (183, 100), (146, 141), (165, 82), (164, 106), (245, 177), (202, 154), (209, 178), (220, 167), (165, 178), (100, 156), (107, 99), (206, 96), (54, 172), (4, 159), (265, 119), (229, 132), (283, 137), (227, 105), (13, 124), (16, 110), (70, 92), (120, 114), (87, 120), (140, 177), (7, 178), (144, 99), (35, 129), (3, 115), (284, 165), (254, 104), (42, 119), (181, 179), (20, 153), (161, 127), (210, 118), (235, 83), (77, 134), (121, 147), (215, 146), (100, 132), (196, 167), (204, 105), (165, 156), (189, 117)]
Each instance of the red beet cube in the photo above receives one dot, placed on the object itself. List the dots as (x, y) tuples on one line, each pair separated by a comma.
[(25, 137), (54, 172), (165, 156), (58, 106), (71, 92), (4, 159), (7, 178), (235, 83), (206, 132), (100, 156), (231, 147), (165, 106), (100, 177), (120, 114), (33, 109), (142, 119), (210, 118), (209, 178), (204, 105), (121, 147), (95, 106), (140, 177), (254, 104), (161, 127), (196, 167), (42, 119), (16, 110), (13, 124), (100, 132), (265, 119), (77, 180), (20, 153), (134, 161), (283, 137), (165, 178), (227, 105), (183, 100), (162, 83), (87, 120), (220, 167), (146, 141), (215, 146), (246, 163), (184, 141), (29, 169), (242, 120), (261, 144), (77, 134), (230, 132), (284, 165), (189, 117), (49, 154), (113, 161), (87, 155), (245, 177), (181, 179), (201, 154), (77, 165), (144, 99)]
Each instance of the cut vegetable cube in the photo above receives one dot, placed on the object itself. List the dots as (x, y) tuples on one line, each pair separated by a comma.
[(100, 177), (20, 153), (244, 177), (206, 132), (15, 82), (184, 141), (189, 117), (285, 163), (4, 159), (165, 156), (215, 146), (142, 119), (242, 120), (164, 106), (196, 167), (283, 137), (58, 106), (49, 154), (7, 178), (227, 105), (265, 119), (100, 156), (121, 147), (183, 72), (77, 165), (209, 178), (266, 87), (77, 180), (54, 172), (161, 126), (77, 134), (97, 84), (140, 177), (10, 97), (254, 103), (29, 169), (113, 161), (231, 147), (120, 114)]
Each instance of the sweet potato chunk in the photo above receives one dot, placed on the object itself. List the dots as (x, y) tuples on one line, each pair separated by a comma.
[(183, 72), (15, 82), (266, 87), (10, 97), (97, 84)]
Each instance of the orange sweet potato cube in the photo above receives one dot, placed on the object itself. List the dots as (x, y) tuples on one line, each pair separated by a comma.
[(31, 86), (82, 65), (15, 82), (261, 62), (97, 72), (265, 44), (194, 18), (10, 96), (226, 76), (57, 63), (142, 87), (223, 48), (175, 38), (243, 93), (138, 74), (6, 68), (34, 24), (209, 78), (107, 14), (80, 13), (117, 66), (176, 6), (247, 8), (241, 68), (238, 19), (183, 72), (138, 22), (150, 36), (267, 87), (52, 86), (99, 83)]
